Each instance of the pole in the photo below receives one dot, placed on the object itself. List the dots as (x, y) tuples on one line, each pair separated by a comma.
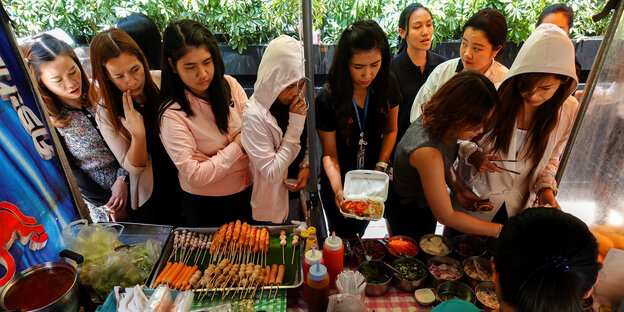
[(314, 207)]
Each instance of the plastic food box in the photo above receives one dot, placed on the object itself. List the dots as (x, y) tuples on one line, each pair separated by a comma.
[(365, 184)]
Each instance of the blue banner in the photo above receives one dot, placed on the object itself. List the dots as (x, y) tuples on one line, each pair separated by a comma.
[(35, 198)]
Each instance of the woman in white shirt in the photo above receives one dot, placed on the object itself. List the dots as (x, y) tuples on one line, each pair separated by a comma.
[(483, 37), (531, 126)]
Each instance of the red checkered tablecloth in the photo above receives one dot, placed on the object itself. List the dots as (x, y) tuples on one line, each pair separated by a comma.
[(394, 300)]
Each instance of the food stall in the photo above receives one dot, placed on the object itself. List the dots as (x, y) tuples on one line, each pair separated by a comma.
[(244, 267)]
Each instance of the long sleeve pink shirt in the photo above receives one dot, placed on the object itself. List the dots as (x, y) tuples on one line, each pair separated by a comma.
[(227, 170)]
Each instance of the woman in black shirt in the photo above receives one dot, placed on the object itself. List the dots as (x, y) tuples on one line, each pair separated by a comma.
[(414, 61), (356, 116)]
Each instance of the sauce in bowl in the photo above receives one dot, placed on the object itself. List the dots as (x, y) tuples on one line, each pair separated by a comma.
[(39, 289)]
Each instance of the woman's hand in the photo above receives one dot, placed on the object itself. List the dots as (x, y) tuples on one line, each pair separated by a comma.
[(302, 181), (118, 200), (133, 120), (547, 197), (481, 161), (466, 199), (199, 156), (339, 198), (298, 106)]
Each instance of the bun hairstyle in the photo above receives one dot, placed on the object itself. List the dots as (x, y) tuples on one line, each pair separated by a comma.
[(145, 33), (44, 48), (546, 260), (557, 8), (492, 23), (466, 100)]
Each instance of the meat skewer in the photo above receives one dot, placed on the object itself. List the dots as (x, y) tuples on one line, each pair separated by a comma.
[(280, 278), (295, 243)]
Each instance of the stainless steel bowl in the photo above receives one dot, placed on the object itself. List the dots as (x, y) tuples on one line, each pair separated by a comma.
[(409, 285), (483, 264), (467, 245), (485, 286), (359, 258), (454, 289), (376, 289), (439, 260), (393, 253), (425, 254)]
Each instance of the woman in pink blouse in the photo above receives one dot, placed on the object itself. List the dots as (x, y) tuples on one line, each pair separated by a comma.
[(200, 126)]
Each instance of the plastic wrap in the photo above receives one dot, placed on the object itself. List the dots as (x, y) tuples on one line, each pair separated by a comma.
[(160, 301), (183, 302)]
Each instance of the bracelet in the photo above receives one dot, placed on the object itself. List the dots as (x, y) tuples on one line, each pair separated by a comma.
[(500, 228), (383, 165), (539, 193)]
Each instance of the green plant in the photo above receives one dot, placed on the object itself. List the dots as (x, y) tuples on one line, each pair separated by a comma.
[(245, 22)]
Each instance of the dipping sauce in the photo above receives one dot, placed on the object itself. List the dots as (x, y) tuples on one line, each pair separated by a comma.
[(39, 289)]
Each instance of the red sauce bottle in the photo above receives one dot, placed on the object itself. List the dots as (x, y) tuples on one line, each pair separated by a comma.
[(333, 254)]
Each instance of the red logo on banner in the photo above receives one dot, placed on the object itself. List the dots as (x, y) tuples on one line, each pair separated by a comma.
[(16, 225)]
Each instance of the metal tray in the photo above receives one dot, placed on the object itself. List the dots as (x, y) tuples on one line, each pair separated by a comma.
[(273, 230)]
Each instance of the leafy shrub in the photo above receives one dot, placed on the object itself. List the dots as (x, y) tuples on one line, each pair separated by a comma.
[(244, 22)]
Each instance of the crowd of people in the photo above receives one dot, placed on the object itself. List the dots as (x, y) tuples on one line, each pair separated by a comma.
[(160, 134)]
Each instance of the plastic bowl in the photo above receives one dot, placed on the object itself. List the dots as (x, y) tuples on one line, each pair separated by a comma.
[(409, 285), (486, 287), (467, 245), (425, 303), (371, 245), (454, 289), (401, 238), (385, 274), (472, 265), (427, 253)]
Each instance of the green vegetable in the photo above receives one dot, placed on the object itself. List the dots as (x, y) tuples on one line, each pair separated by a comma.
[(410, 270), (374, 274)]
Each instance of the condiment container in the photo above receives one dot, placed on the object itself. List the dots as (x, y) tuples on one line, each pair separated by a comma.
[(333, 254), (318, 288)]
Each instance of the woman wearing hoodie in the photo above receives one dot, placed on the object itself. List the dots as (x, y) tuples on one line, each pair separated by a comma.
[(531, 126), (270, 147)]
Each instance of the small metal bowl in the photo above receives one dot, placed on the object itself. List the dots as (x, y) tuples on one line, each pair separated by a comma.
[(359, 256), (376, 289), (393, 253), (467, 245), (426, 303), (454, 289), (485, 286), (439, 260), (409, 285), (470, 265), (426, 254)]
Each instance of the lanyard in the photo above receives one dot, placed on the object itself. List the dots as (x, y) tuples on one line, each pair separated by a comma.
[(357, 113)]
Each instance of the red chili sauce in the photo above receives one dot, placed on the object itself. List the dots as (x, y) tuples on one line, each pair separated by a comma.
[(39, 289)]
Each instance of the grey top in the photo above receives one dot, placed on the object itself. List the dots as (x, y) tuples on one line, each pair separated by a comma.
[(407, 184)]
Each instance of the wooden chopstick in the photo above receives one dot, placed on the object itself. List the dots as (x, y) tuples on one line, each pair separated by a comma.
[(514, 172)]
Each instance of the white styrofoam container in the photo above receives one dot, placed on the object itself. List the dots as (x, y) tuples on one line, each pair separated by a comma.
[(365, 184)]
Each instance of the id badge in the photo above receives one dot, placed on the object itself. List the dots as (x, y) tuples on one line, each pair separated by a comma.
[(360, 157)]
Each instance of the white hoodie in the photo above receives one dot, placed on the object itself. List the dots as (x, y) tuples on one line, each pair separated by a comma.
[(547, 50), (271, 151)]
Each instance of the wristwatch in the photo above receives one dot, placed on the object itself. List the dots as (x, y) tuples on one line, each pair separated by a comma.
[(383, 165)]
